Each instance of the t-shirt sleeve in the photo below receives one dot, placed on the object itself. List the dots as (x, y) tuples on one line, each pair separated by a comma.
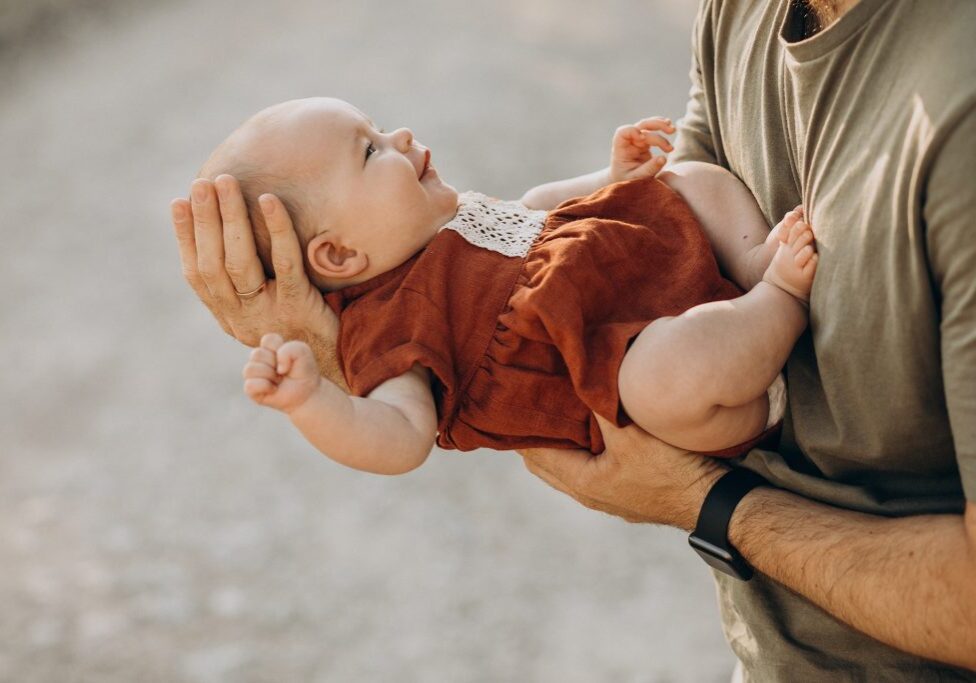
[(382, 339), (695, 141), (950, 217)]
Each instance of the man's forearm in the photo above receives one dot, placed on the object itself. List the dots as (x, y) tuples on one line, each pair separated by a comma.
[(909, 582)]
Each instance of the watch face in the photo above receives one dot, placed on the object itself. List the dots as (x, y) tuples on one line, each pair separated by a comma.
[(709, 550), (721, 559)]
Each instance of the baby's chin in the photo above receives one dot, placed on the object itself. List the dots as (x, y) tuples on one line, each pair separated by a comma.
[(450, 202)]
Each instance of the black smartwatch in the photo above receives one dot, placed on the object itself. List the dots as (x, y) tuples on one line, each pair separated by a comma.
[(710, 539)]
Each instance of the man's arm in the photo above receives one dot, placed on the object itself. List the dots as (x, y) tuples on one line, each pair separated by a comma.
[(908, 582), (695, 141)]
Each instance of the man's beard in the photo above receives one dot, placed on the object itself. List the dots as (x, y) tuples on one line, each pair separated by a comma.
[(826, 10)]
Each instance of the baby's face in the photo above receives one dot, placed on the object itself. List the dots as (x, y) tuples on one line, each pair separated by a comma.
[(373, 192)]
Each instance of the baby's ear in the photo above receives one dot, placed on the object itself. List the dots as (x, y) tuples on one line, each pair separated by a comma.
[(334, 261)]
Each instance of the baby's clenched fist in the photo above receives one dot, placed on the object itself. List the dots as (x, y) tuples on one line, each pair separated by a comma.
[(280, 374)]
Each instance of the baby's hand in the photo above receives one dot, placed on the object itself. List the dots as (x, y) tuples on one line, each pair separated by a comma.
[(630, 153), (794, 263), (281, 375)]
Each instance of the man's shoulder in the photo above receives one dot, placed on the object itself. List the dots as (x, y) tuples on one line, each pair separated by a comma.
[(936, 57)]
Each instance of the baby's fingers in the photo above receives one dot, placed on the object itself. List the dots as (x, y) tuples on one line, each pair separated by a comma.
[(656, 123), (810, 267), (258, 388), (803, 239), (256, 370), (656, 140), (264, 355), (651, 167), (803, 256), (800, 229), (272, 341), (789, 220), (625, 135), (296, 359)]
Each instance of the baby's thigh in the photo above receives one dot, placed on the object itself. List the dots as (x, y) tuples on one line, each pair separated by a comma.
[(664, 389), (654, 389)]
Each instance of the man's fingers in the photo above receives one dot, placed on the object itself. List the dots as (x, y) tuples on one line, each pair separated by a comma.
[(240, 254), (286, 251), (208, 233), (557, 465), (535, 460), (624, 441), (183, 227)]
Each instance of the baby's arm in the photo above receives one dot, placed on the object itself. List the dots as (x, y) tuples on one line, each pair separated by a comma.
[(730, 217), (389, 432), (630, 158)]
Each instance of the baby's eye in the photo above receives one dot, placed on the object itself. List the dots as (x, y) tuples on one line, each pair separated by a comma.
[(369, 150)]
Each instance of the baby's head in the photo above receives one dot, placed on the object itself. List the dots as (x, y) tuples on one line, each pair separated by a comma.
[(362, 200)]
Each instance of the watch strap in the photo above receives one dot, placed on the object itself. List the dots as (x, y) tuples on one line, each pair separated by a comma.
[(710, 537)]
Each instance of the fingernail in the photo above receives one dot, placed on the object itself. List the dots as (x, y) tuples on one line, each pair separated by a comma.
[(266, 204), (199, 191), (177, 210)]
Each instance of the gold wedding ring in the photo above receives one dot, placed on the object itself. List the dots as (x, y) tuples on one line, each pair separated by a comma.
[(253, 293)]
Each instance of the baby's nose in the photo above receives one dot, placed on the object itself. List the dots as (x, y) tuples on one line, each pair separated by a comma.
[(403, 139)]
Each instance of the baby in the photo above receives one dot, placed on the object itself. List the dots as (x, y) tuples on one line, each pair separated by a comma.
[(475, 322)]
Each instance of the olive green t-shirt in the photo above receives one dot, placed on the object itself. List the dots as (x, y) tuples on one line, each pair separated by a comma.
[(871, 124)]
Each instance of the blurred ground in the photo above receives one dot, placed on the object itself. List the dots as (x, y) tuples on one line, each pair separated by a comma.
[(156, 526)]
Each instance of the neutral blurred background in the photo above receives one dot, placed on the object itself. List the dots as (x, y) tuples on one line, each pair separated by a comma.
[(157, 526)]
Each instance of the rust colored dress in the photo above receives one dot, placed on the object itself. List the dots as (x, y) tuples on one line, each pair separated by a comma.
[(523, 317)]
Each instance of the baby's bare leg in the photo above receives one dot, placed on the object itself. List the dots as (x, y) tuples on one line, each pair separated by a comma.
[(699, 380)]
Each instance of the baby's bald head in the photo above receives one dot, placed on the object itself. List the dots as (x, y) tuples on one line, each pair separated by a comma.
[(362, 200), (265, 156)]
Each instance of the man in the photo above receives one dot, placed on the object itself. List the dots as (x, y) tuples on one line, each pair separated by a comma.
[(832, 105), (864, 545)]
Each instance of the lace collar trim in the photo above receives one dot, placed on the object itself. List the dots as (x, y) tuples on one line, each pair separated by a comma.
[(505, 227)]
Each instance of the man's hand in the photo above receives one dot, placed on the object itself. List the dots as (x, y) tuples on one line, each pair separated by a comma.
[(630, 152), (637, 477), (220, 261)]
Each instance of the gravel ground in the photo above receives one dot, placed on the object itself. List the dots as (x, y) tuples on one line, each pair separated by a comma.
[(155, 525)]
